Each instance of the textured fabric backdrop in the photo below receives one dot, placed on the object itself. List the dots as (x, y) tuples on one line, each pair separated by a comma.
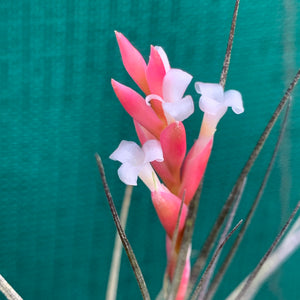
[(57, 109)]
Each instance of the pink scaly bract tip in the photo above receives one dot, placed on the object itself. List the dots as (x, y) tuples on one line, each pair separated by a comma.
[(133, 62), (137, 108)]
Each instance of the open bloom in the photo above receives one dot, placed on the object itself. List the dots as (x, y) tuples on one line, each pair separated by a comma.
[(168, 86), (136, 162), (173, 144), (214, 103)]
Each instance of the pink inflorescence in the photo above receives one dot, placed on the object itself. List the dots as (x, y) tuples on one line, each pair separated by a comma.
[(158, 116)]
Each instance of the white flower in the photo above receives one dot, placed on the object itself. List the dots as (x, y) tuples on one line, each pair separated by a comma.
[(174, 85), (214, 102), (136, 162)]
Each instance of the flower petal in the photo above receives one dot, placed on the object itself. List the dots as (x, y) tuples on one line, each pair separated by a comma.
[(210, 90), (152, 151), (153, 97), (180, 109), (128, 152), (149, 177), (128, 173), (163, 57), (233, 99), (210, 105), (174, 85), (133, 62)]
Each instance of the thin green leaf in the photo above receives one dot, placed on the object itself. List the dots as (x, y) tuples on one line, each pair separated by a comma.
[(209, 273), (264, 258), (198, 266), (216, 254), (132, 259), (285, 249), (245, 225), (112, 286), (229, 45)]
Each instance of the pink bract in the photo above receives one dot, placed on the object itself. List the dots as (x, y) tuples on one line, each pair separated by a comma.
[(167, 206), (133, 61), (193, 169), (155, 72), (137, 108)]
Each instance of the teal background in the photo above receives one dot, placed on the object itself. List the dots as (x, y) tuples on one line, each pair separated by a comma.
[(57, 109)]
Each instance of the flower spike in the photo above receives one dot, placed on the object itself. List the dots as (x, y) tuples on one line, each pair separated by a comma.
[(136, 162)]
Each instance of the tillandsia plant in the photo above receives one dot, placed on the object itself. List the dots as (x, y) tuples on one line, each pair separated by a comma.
[(174, 175), (158, 117)]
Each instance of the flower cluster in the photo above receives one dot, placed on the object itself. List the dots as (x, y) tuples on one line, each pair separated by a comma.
[(158, 116)]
